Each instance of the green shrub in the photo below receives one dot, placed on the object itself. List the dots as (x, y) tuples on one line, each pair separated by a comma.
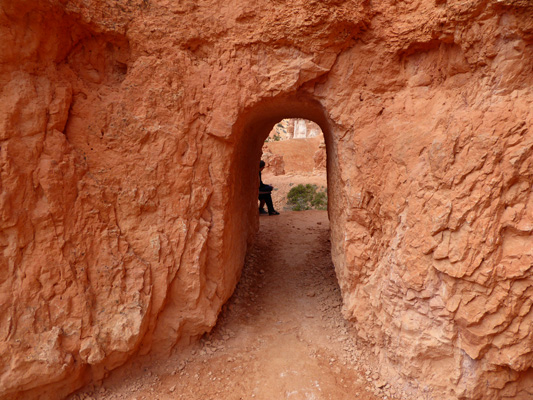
[(275, 138), (306, 197)]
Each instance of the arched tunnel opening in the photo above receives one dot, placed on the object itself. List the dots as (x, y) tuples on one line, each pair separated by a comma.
[(254, 126), (250, 131)]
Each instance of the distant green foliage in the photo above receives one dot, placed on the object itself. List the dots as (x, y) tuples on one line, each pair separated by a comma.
[(307, 197), (278, 128), (275, 138)]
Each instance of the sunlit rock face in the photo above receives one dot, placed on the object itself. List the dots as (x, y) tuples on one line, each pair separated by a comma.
[(131, 133)]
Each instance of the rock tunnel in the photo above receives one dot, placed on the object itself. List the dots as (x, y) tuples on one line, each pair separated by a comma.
[(131, 132), (251, 130)]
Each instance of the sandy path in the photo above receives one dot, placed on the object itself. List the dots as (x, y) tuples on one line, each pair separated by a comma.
[(281, 336)]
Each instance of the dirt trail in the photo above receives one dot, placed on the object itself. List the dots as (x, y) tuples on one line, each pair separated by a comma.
[(281, 336)]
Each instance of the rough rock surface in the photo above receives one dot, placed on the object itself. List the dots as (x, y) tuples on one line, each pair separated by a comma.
[(320, 158), (273, 162), (130, 136), (297, 155), (303, 128), (294, 128)]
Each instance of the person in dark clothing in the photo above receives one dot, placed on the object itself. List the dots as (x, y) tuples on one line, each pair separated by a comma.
[(265, 195)]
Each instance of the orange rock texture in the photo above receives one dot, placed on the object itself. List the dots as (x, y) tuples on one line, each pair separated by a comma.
[(130, 137)]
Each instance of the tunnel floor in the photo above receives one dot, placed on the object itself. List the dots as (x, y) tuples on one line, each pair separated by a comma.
[(281, 335)]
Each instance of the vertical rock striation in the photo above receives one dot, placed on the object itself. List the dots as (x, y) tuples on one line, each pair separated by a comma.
[(130, 136)]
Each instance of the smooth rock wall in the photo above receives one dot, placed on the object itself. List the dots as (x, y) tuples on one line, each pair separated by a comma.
[(131, 132)]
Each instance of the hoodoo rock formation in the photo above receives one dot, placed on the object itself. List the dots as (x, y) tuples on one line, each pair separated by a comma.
[(130, 137)]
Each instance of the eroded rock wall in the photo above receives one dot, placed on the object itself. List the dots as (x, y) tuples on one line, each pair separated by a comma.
[(437, 237), (131, 132)]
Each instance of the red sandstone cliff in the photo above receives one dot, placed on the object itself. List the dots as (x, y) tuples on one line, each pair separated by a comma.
[(131, 132)]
